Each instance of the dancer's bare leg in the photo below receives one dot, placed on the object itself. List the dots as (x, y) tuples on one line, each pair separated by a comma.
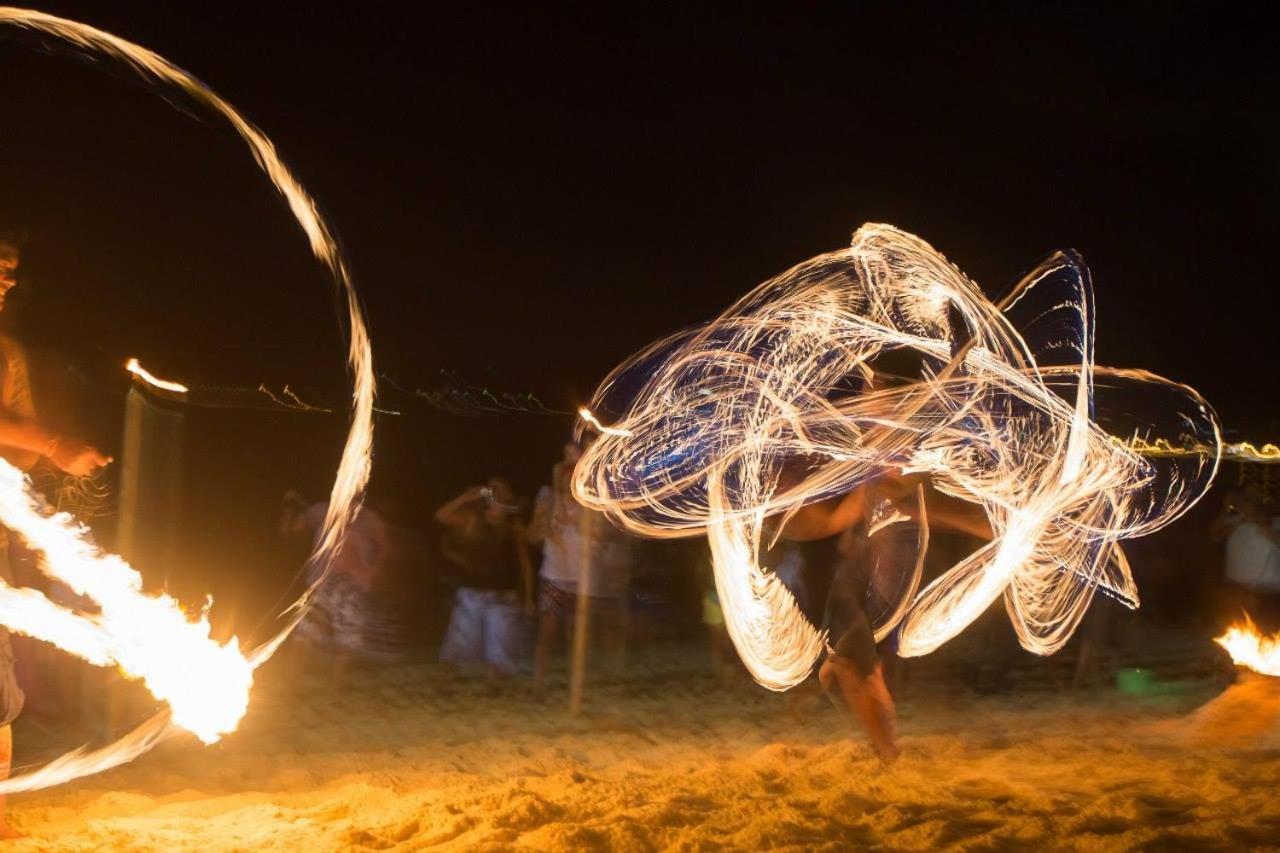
[(867, 697), (6, 759)]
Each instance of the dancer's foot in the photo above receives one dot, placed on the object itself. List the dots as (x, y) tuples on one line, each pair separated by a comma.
[(868, 698)]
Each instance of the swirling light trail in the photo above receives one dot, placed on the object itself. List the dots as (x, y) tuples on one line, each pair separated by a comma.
[(205, 685), (797, 394)]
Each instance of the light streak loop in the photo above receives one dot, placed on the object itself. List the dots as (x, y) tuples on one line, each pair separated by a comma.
[(64, 545), (882, 359)]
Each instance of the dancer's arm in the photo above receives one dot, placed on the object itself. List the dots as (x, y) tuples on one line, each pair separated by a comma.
[(826, 518), (70, 454), (950, 513)]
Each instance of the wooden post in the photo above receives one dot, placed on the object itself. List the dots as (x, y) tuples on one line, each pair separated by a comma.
[(151, 486), (582, 612), (149, 511)]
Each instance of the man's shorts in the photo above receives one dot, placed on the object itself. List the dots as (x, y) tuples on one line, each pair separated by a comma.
[(12, 698)]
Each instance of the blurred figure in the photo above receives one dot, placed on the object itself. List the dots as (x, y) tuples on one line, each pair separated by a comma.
[(497, 578), (578, 546), (878, 527), (404, 591), (343, 608), (723, 657), (1252, 534), (23, 443)]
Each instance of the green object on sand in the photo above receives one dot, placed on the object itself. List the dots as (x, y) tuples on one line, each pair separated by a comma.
[(1136, 681)]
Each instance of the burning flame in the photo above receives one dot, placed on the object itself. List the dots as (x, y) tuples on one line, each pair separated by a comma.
[(586, 415), (1250, 648), (781, 402), (142, 373), (205, 685)]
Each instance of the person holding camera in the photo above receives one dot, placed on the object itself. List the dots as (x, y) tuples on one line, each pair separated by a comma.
[(497, 578)]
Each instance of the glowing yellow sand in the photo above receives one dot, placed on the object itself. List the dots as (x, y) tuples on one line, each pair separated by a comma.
[(411, 760)]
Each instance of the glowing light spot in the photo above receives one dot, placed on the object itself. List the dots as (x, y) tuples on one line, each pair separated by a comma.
[(163, 384), (586, 415)]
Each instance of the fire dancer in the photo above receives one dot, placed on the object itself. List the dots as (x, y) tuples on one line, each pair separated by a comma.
[(497, 578), (576, 546), (869, 550), (23, 442)]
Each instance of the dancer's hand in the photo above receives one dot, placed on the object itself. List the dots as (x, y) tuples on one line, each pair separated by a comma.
[(76, 457)]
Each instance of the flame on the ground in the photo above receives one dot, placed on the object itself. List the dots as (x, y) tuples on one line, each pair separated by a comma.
[(146, 376), (1250, 648)]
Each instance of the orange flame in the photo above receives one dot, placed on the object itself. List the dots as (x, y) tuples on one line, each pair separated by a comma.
[(205, 683), (146, 376), (1250, 648), (586, 415)]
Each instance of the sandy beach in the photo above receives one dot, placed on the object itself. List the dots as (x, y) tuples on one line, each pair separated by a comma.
[(410, 757)]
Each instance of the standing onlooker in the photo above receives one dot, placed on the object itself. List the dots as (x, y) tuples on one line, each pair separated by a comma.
[(497, 577), (1252, 533), (23, 442), (343, 606), (578, 545)]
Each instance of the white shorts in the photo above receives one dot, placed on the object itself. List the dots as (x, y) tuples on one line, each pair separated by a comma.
[(484, 627)]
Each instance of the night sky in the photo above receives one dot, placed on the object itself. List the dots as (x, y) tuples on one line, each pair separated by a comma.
[(529, 194)]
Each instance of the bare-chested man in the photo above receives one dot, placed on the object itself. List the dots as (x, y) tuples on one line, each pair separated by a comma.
[(852, 670), (24, 440)]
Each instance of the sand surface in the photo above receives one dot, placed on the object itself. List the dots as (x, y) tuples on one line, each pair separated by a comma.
[(409, 757)]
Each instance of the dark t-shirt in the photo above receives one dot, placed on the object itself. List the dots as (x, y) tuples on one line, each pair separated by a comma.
[(490, 557)]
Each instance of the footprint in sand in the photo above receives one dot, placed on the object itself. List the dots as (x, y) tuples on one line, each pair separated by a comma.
[(1103, 826), (1154, 810), (985, 790), (964, 827)]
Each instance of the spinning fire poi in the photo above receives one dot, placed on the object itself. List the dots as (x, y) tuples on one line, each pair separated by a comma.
[(880, 361), (204, 684)]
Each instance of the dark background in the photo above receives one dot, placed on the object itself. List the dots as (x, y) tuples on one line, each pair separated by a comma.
[(529, 194)]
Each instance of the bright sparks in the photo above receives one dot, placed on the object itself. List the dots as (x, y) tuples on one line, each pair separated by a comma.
[(879, 360), (205, 685), (586, 415), (163, 384), (1250, 648)]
